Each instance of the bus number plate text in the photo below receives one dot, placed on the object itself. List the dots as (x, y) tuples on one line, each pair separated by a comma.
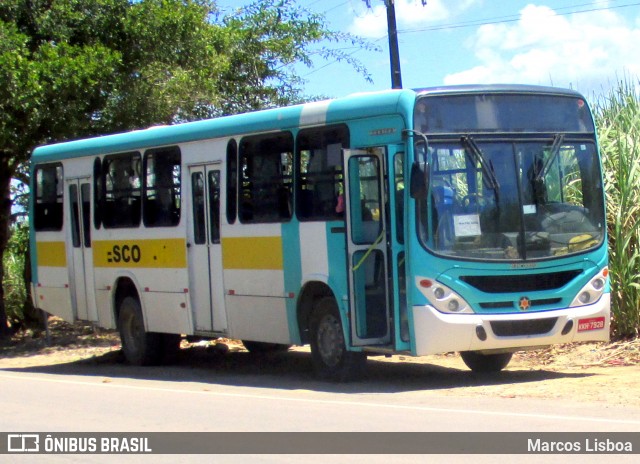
[(593, 323)]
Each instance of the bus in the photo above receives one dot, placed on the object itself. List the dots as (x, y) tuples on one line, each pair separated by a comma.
[(463, 219)]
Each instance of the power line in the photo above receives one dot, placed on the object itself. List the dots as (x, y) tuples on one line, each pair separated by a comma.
[(514, 18), (337, 6), (483, 22), (329, 9)]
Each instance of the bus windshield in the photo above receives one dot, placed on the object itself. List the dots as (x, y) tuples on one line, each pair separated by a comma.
[(512, 199)]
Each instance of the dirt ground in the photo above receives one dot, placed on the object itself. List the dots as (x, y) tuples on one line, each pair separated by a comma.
[(603, 373)]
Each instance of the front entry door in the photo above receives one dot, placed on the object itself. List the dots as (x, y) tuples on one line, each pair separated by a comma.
[(367, 246), (81, 254), (204, 250)]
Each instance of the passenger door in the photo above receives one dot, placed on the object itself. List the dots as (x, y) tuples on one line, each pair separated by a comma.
[(204, 250), (367, 246), (81, 253)]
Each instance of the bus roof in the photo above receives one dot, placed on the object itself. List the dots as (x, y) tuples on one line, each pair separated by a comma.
[(353, 106), (496, 88), (309, 114)]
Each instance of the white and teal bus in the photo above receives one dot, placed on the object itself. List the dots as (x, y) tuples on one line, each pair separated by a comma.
[(465, 219)]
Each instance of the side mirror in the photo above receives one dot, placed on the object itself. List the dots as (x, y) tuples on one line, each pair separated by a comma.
[(419, 183)]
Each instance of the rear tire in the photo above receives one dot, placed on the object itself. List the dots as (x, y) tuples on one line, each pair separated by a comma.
[(140, 348), (485, 363), (331, 359)]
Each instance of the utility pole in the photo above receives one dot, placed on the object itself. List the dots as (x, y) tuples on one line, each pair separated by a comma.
[(394, 52), (392, 33)]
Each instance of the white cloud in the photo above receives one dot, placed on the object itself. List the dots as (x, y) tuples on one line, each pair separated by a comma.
[(409, 13), (583, 51)]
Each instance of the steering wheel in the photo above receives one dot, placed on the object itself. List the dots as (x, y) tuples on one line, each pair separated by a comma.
[(477, 198)]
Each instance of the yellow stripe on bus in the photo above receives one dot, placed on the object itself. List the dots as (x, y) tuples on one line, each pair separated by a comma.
[(261, 253), (148, 253), (51, 254)]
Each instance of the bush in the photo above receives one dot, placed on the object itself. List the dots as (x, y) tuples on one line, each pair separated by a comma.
[(15, 255)]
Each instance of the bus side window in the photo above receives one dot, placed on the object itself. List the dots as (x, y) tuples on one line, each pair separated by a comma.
[(75, 215), (48, 197), (266, 164), (121, 182), (97, 193), (85, 202), (232, 180), (320, 183), (199, 214), (214, 205), (398, 173), (162, 189)]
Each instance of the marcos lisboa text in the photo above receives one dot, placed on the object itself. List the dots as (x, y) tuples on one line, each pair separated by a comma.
[(587, 446)]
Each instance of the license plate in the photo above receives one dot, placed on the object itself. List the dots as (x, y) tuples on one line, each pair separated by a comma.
[(593, 323)]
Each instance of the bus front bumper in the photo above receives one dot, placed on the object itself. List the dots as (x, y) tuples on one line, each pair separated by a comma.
[(436, 332)]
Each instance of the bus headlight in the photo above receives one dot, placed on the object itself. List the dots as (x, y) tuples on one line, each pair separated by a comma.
[(592, 292), (442, 297), (584, 297), (453, 305)]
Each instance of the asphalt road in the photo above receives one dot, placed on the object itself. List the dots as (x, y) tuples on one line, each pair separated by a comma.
[(278, 395)]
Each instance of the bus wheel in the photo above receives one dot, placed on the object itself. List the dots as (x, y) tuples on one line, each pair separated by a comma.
[(140, 348), (264, 347), (479, 362), (330, 357)]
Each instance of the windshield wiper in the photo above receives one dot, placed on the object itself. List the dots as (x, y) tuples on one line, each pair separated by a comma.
[(553, 154), (489, 175)]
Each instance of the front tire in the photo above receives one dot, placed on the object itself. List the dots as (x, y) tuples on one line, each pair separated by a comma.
[(485, 363), (140, 348), (331, 359)]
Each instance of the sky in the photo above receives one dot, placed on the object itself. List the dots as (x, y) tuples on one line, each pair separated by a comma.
[(586, 45)]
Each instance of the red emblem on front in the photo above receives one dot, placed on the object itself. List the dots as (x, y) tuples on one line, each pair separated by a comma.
[(524, 304)]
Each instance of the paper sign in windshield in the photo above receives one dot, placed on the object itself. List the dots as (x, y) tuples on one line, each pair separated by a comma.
[(467, 225)]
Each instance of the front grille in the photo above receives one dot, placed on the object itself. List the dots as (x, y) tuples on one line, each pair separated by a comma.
[(520, 328), (496, 304), (521, 283), (545, 302), (511, 304)]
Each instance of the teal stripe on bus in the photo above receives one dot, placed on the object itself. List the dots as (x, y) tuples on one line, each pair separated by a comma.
[(338, 281), (292, 274)]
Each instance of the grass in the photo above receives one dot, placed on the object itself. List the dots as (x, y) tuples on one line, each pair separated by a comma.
[(618, 121)]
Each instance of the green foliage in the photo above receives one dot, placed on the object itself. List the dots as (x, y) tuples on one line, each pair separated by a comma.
[(14, 262), (618, 121), (78, 68)]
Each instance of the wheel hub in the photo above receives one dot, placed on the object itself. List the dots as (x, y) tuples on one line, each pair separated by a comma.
[(330, 340)]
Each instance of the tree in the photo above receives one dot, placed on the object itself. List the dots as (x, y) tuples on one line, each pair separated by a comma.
[(78, 68)]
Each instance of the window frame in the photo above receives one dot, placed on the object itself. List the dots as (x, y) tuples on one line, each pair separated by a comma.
[(264, 196), (40, 207), (325, 208), (135, 213), (169, 216)]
